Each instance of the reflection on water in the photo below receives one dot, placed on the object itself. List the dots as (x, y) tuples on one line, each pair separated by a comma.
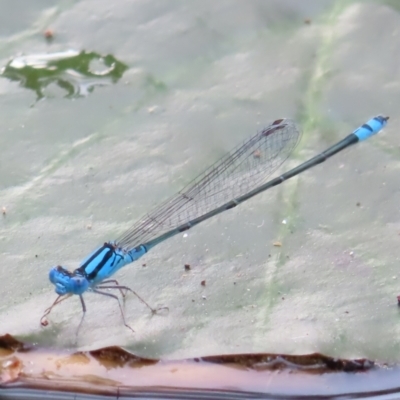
[(75, 73)]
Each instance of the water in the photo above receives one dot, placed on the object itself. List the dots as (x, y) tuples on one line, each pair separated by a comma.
[(200, 77)]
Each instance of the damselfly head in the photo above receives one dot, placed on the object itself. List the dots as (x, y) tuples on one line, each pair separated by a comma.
[(67, 282)]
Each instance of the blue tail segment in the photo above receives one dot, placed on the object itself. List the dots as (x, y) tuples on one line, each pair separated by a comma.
[(137, 252), (370, 128)]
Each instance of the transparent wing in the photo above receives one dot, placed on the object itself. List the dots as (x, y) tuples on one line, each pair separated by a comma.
[(243, 169)]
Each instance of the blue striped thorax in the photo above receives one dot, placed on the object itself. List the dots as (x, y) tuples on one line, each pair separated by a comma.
[(100, 265)]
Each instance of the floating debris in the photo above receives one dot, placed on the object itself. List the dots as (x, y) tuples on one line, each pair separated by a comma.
[(48, 34), (77, 73), (26, 367)]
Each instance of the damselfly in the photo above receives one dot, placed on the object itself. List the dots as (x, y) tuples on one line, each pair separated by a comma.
[(238, 176)]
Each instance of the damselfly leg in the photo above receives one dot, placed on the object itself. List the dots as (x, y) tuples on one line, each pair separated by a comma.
[(116, 298), (128, 289), (58, 300), (123, 294)]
